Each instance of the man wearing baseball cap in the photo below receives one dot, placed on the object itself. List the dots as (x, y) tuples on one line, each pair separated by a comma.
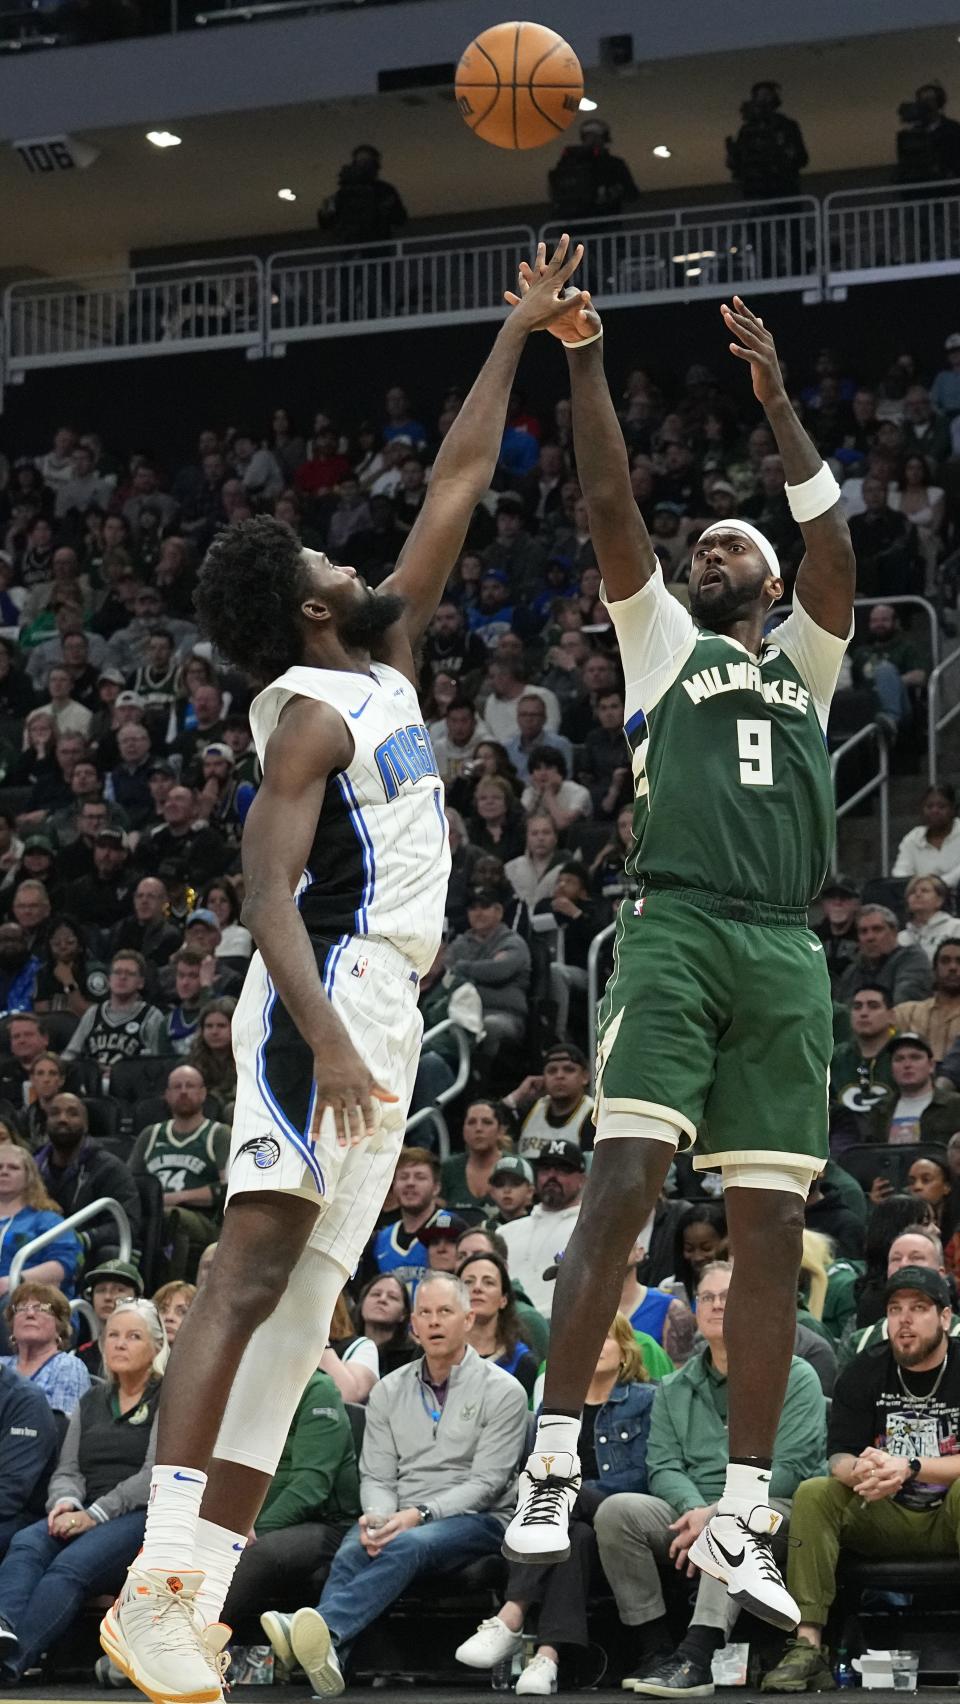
[(915, 1109), (893, 1488), (439, 1237), (837, 930), (512, 1188), (534, 1243), (560, 1105)]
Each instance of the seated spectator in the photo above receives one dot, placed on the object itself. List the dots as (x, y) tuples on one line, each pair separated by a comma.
[(28, 1211), (605, 758), (440, 1236), (891, 1213), (188, 1153), (918, 496), (102, 899), (312, 1501), (497, 1333), (39, 1327), (20, 967), (618, 1407), (905, 972), (48, 1078), (920, 1245), (888, 663), (561, 1104), (686, 1463), (397, 1248), (105, 1286), (861, 1068), (83, 822), (879, 1500), (828, 1213), (933, 848), (937, 1019), (96, 1499), (508, 689), (534, 1243), (915, 1109), (130, 645), (148, 931), (350, 1358), (383, 1309), (533, 876), (28, 1450), (498, 824), (928, 921), (699, 1236), (173, 1302), (532, 732), (465, 1178), (183, 837), (27, 1038), (69, 716), (930, 1182), (886, 546), (661, 1315), (211, 1052), (577, 919), (497, 962), (236, 942), (201, 932), (456, 748), (77, 1171), (448, 646), (511, 1188), (182, 1022), (840, 900), (124, 1025), (446, 1494), (128, 785), (218, 788), (70, 980), (548, 790)]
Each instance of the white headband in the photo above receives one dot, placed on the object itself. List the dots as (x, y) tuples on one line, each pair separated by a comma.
[(763, 544)]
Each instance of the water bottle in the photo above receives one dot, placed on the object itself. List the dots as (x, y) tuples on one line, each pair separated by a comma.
[(844, 1673)]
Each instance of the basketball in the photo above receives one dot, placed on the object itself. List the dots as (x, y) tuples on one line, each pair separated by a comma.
[(519, 85)]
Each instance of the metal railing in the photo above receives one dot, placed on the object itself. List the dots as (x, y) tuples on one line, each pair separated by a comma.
[(879, 783), (905, 231), (104, 1204), (937, 721), (681, 253), (426, 281), (433, 1114), (593, 994), (201, 305)]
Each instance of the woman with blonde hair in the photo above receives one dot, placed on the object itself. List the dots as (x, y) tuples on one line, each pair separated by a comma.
[(498, 824), (929, 923), (173, 1302), (38, 1322), (613, 1454), (26, 1210), (97, 1498)]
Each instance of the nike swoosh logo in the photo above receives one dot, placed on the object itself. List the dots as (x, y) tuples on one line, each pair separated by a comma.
[(239, 1547), (356, 713), (815, 946), (189, 1478), (734, 1561)]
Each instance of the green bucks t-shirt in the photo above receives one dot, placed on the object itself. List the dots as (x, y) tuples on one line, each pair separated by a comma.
[(731, 773)]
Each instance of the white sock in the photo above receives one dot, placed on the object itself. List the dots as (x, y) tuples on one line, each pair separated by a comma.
[(557, 1433), (744, 1485), (217, 1553), (173, 1510)]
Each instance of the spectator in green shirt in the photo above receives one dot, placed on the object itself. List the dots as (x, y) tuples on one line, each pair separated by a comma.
[(465, 1178)]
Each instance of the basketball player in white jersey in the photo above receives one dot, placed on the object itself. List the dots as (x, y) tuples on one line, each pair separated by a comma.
[(345, 863)]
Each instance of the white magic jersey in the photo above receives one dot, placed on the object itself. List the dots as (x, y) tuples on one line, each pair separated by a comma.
[(380, 859)]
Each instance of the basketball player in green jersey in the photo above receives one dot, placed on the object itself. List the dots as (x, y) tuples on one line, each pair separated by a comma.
[(715, 1027)]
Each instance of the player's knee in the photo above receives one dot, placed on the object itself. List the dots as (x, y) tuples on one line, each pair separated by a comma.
[(250, 1297)]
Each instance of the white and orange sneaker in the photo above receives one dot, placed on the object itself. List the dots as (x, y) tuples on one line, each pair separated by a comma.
[(155, 1637)]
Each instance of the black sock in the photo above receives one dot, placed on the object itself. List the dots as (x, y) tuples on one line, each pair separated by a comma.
[(763, 1464), (699, 1643), (653, 1637), (560, 1413)]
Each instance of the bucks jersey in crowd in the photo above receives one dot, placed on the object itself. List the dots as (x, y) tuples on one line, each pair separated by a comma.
[(109, 1034), (718, 1015), (194, 1161)]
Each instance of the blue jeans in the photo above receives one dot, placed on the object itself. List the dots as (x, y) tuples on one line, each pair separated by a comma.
[(44, 1582), (360, 1588), (892, 695)]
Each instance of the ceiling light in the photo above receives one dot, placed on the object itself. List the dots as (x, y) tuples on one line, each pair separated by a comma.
[(587, 105), (662, 152), (693, 271), (164, 139), (697, 254), (286, 194)]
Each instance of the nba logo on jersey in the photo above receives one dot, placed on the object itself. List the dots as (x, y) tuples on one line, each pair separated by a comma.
[(360, 968)]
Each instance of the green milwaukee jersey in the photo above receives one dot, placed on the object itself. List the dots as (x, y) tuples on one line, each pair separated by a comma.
[(732, 780)]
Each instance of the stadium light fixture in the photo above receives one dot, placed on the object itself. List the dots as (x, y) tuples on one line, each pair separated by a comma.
[(164, 139), (587, 105), (662, 152), (286, 195)]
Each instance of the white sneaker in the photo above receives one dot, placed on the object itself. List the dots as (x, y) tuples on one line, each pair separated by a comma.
[(538, 1678), (155, 1637), (277, 1629), (735, 1548), (491, 1644), (539, 1531), (313, 1649)]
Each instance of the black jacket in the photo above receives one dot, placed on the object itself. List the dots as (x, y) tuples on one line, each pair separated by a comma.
[(28, 1450), (93, 1173)]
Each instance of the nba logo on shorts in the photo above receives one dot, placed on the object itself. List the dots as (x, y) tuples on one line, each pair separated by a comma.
[(360, 968), (638, 907)]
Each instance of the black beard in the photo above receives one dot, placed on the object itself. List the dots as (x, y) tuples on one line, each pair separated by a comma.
[(922, 1351), (732, 604), (369, 621)]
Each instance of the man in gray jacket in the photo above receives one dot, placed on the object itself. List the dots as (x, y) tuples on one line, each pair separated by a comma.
[(497, 961), (438, 1472), (905, 972)]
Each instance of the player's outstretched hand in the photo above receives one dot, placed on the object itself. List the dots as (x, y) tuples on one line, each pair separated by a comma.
[(348, 1089), (756, 346), (545, 300)]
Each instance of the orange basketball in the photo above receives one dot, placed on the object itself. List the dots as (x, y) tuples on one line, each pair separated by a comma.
[(519, 85)]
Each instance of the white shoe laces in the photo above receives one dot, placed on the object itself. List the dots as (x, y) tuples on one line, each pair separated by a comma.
[(180, 1630)]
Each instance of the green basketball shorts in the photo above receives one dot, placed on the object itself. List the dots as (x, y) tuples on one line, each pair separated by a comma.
[(717, 1018)]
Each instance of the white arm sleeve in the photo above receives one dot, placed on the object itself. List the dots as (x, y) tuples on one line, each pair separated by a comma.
[(816, 653), (656, 635)]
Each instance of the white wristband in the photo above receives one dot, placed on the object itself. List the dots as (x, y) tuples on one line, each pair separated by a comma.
[(583, 341), (815, 496)]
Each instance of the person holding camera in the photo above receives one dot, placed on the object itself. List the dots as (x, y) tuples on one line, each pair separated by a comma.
[(928, 144), (364, 209), (588, 181), (768, 153)]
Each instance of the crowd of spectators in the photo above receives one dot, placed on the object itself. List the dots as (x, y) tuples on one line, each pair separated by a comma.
[(127, 769)]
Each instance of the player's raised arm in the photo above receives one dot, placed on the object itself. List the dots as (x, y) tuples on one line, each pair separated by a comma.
[(826, 581), (310, 742), (468, 457)]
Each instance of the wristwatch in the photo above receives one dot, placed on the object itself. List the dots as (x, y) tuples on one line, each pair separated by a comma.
[(914, 1466), (424, 1513)]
